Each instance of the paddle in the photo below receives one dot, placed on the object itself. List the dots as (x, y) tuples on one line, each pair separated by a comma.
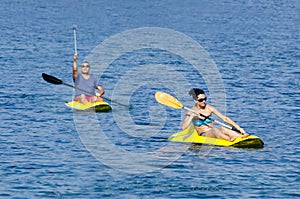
[(170, 101), (54, 80), (75, 44)]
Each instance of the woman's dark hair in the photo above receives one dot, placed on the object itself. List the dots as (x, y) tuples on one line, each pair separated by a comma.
[(194, 92)]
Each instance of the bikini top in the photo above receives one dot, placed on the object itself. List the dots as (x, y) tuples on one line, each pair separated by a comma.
[(199, 122)]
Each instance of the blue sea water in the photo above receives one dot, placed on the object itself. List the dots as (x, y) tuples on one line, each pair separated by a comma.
[(49, 151)]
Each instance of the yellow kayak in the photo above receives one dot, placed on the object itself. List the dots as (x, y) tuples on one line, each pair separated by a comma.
[(190, 135), (96, 106)]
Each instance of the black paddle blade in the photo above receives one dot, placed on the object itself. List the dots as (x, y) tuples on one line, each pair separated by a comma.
[(51, 79)]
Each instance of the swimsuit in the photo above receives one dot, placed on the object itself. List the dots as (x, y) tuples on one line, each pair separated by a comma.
[(199, 122), (202, 134)]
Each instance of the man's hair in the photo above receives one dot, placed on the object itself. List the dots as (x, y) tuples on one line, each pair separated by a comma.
[(86, 62)]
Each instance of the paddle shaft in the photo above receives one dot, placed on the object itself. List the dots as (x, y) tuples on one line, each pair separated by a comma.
[(214, 120), (75, 43)]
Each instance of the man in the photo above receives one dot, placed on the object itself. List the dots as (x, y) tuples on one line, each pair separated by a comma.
[(86, 82)]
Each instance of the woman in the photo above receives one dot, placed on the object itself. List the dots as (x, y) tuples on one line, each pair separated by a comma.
[(203, 123)]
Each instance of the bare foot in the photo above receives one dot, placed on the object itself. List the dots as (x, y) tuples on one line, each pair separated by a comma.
[(100, 99)]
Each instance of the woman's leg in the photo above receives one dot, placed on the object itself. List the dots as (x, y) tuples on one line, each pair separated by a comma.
[(221, 135), (232, 134), (216, 133)]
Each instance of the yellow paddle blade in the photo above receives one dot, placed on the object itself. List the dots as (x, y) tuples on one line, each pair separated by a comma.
[(168, 100)]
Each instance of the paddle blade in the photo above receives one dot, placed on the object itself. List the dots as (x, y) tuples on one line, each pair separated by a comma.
[(51, 79), (168, 100)]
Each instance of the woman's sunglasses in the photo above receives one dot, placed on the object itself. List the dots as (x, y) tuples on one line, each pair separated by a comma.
[(85, 66), (202, 99)]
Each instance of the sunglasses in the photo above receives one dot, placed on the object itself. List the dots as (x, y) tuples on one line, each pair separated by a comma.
[(85, 66), (202, 99)]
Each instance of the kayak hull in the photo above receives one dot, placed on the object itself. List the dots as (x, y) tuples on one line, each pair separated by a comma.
[(95, 106), (190, 135)]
